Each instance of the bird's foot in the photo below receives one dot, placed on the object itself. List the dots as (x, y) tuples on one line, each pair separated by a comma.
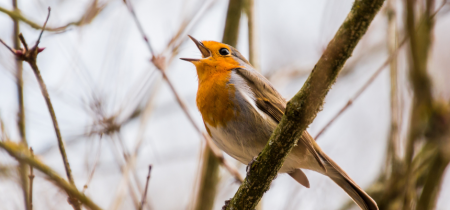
[(249, 166), (227, 202)]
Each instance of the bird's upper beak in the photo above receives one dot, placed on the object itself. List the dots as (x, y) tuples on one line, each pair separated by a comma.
[(205, 51)]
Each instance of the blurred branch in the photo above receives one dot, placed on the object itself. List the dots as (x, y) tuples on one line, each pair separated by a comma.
[(30, 56), (438, 135), (304, 106), (139, 25), (249, 8), (363, 88), (23, 170), (125, 168), (231, 31), (420, 40), (22, 154), (92, 11), (91, 175), (393, 47), (209, 179), (433, 182), (414, 182), (31, 177)]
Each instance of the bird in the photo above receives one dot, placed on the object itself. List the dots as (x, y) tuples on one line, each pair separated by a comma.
[(240, 110)]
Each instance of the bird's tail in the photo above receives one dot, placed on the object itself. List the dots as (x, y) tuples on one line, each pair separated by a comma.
[(364, 201)]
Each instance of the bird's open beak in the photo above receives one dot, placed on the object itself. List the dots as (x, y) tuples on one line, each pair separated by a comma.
[(205, 52)]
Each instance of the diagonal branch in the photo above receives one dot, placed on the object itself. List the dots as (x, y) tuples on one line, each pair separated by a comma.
[(363, 88), (22, 154), (304, 106), (91, 12)]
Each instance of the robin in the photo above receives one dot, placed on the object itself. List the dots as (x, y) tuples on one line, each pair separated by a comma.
[(241, 109)]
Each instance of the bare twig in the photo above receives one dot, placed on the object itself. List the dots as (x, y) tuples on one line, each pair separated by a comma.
[(91, 175), (8, 47), (144, 196), (22, 154), (31, 177), (363, 88), (30, 56), (126, 180), (160, 64), (139, 25)]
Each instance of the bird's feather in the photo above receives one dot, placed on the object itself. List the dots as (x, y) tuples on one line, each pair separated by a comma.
[(269, 101)]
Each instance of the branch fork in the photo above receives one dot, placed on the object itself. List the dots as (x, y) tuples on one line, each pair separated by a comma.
[(26, 54)]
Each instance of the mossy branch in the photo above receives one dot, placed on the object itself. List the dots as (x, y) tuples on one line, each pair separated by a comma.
[(304, 106), (23, 155)]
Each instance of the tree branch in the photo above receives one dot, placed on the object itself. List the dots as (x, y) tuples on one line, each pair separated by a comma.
[(304, 106), (231, 32), (22, 154), (91, 12), (372, 78), (253, 52), (30, 190)]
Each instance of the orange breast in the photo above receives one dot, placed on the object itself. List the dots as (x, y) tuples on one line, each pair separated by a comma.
[(214, 99)]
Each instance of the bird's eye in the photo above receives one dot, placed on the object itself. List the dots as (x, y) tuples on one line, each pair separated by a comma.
[(224, 51)]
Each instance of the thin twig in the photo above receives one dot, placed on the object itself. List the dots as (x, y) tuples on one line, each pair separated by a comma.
[(160, 64), (125, 181), (363, 88), (8, 47), (43, 28), (31, 177), (139, 25), (22, 39), (91, 175), (144, 196)]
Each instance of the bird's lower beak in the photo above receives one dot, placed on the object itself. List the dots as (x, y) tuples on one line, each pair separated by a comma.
[(205, 51)]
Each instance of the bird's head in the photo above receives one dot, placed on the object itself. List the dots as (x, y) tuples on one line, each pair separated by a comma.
[(216, 58)]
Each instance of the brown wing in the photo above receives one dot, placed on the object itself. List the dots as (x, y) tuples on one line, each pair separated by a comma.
[(269, 101)]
